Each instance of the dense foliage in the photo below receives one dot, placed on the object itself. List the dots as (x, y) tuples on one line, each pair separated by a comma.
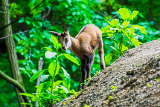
[(124, 26)]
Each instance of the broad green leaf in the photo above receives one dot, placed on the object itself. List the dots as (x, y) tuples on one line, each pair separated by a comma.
[(53, 68), (27, 94), (49, 54), (105, 28), (71, 58), (125, 24), (48, 49), (65, 73), (64, 88), (44, 77), (135, 42), (134, 14), (131, 32), (124, 13), (39, 88), (108, 30), (114, 22), (143, 30), (66, 79), (36, 75), (56, 83), (108, 58), (54, 40)]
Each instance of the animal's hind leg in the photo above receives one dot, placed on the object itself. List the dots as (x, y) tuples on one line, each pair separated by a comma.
[(101, 54), (89, 64)]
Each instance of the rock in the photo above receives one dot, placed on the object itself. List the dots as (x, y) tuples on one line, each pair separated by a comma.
[(132, 80)]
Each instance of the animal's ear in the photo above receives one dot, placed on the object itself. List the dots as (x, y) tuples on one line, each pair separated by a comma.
[(65, 29), (55, 33)]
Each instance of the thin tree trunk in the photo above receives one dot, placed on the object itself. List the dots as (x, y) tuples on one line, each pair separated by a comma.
[(11, 48), (40, 66)]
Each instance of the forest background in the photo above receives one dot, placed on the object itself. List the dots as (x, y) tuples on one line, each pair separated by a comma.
[(33, 40)]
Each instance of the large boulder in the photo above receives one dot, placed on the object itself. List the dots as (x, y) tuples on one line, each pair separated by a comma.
[(132, 80)]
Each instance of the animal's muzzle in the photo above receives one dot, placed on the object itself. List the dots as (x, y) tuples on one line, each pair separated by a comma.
[(63, 48)]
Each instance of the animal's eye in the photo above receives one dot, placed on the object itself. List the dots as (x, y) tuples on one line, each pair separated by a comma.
[(66, 39)]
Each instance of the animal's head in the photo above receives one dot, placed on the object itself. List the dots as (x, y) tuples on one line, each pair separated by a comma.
[(63, 38)]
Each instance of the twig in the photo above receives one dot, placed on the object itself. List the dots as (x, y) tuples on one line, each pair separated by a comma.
[(14, 34), (46, 14), (15, 83)]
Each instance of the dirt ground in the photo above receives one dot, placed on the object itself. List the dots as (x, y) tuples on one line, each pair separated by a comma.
[(132, 80)]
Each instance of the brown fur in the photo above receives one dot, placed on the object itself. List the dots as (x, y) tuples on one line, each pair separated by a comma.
[(83, 43), (83, 46)]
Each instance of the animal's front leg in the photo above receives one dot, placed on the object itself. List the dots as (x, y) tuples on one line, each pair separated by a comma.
[(83, 77)]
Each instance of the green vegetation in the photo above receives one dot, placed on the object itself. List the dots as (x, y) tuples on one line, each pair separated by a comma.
[(125, 24), (122, 34)]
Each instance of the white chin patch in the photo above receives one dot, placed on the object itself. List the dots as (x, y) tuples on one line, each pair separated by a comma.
[(68, 44)]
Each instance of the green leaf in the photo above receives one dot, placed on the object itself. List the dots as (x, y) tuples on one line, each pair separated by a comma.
[(134, 14), (21, 20), (108, 58), (74, 68), (71, 58), (114, 22), (125, 24), (124, 13), (26, 104), (135, 42), (143, 30), (124, 32), (64, 88), (54, 40), (28, 22), (49, 54), (124, 48), (36, 75), (48, 49), (44, 77), (131, 32), (27, 94), (17, 38), (39, 89), (66, 79), (53, 68), (56, 83)]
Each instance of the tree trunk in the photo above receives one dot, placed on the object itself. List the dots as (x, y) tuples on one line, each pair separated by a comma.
[(11, 48)]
